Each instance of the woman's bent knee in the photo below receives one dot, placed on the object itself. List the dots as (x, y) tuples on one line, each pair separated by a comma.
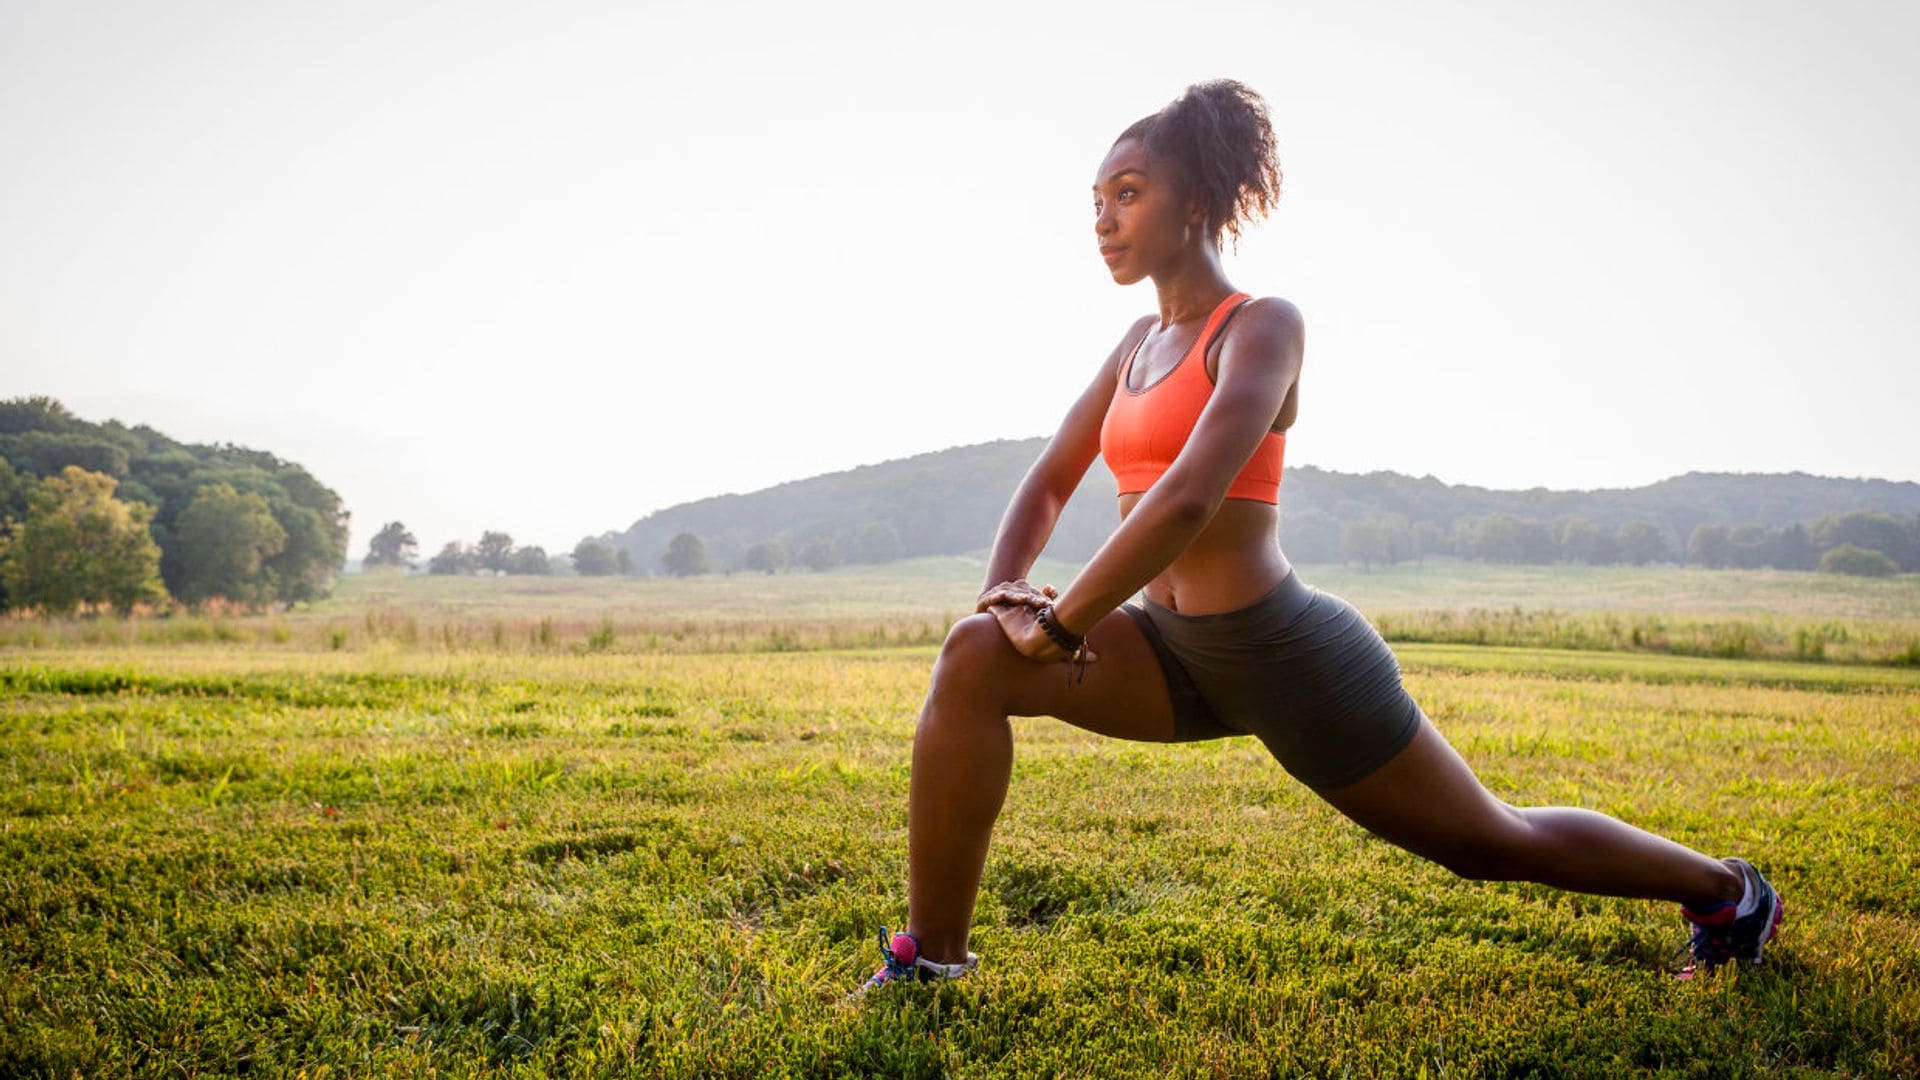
[(974, 646), (976, 638)]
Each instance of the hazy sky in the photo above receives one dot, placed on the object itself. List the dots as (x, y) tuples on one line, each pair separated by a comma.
[(546, 267)]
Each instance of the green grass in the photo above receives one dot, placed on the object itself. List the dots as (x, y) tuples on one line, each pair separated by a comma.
[(219, 858)]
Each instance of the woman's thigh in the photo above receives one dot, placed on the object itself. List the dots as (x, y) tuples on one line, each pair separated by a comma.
[(1427, 800), (1123, 694)]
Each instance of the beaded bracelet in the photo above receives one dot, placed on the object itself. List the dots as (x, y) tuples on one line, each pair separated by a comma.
[(1074, 644)]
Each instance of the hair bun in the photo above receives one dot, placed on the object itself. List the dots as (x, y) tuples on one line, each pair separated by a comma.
[(1220, 134)]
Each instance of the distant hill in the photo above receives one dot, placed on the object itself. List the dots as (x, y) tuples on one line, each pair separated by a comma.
[(950, 502)]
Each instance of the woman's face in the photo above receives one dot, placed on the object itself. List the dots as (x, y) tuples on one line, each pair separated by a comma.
[(1140, 217)]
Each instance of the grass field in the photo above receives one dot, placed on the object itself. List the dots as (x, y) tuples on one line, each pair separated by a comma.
[(933, 586), (231, 856)]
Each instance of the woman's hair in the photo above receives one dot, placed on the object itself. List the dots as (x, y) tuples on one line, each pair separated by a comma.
[(1218, 134)]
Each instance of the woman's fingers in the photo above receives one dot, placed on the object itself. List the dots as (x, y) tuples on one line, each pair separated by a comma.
[(1007, 595), (995, 594)]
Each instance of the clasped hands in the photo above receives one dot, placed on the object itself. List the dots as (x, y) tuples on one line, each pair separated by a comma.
[(1016, 604)]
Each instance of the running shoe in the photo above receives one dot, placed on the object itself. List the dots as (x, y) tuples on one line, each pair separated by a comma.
[(1720, 935), (901, 958)]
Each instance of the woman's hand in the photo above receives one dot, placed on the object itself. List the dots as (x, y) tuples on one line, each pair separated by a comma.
[(1017, 591), (1020, 623)]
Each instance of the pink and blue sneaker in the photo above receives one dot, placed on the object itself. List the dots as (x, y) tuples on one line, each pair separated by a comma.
[(902, 961), (1721, 933)]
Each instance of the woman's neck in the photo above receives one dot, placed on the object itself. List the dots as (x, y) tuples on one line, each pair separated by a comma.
[(1191, 290)]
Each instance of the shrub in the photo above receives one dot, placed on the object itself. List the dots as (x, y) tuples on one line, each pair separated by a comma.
[(1858, 561)]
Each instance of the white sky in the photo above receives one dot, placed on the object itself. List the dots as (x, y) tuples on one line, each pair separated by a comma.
[(547, 267)]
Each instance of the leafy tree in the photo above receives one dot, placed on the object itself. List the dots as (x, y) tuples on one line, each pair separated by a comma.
[(531, 559), (14, 489), (393, 545), (1377, 540), (876, 542), (454, 558), (594, 559), (493, 551), (226, 538), (80, 545), (1461, 534), (767, 556), (686, 556), (1859, 561), (46, 453), (304, 568), (1583, 541), (1794, 549), (1310, 536), (1751, 546), (1509, 539), (1711, 546), (1430, 538), (1643, 542), (818, 554), (37, 413), (623, 560), (1891, 536)]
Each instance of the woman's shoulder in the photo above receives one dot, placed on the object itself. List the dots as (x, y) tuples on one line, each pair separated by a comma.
[(1265, 321), (1272, 310)]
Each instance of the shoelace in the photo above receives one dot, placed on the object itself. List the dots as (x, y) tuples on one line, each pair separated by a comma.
[(895, 968), (1710, 946)]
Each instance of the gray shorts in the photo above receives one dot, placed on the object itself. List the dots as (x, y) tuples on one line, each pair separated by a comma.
[(1298, 668)]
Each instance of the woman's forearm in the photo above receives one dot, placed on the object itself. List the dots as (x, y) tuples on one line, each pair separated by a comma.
[(1156, 531), (1024, 531)]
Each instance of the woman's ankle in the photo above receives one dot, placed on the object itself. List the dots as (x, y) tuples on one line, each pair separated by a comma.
[(1728, 885), (941, 948)]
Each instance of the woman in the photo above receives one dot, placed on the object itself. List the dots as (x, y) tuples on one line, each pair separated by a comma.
[(1190, 411)]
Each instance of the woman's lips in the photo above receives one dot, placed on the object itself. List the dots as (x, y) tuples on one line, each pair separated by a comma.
[(1112, 253)]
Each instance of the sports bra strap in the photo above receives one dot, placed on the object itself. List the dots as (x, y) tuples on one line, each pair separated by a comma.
[(1216, 322)]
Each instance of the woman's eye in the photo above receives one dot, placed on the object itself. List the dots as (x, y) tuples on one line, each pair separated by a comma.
[(1126, 191)]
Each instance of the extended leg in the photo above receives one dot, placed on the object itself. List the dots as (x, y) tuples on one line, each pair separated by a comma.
[(1428, 801)]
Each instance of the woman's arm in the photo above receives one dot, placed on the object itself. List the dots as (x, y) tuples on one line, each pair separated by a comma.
[(1259, 362), (1050, 481)]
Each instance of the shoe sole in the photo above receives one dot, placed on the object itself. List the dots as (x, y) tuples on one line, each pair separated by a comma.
[(1773, 926)]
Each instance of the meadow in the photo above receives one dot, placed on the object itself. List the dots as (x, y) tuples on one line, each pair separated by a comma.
[(1663, 610), (268, 848)]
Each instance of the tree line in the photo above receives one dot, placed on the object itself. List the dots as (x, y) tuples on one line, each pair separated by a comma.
[(106, 515), (688, 553), (1863, 542), (494, 553)]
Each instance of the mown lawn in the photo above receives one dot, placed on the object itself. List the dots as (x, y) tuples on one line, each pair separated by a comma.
[(230, 860)]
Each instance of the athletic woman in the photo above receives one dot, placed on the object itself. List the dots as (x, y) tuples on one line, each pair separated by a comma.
[(1190, 411)]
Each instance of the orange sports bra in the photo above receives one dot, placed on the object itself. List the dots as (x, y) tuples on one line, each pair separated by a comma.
[(1144, 429)]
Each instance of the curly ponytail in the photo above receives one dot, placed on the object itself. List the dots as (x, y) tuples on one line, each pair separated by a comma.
[(1219, 134)]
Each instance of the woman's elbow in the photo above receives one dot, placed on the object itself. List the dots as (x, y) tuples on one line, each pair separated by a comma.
[(1189, 511)]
